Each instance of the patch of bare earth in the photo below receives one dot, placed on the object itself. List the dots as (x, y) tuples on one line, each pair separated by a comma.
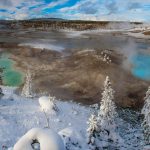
[(146, 33), (80, 75)]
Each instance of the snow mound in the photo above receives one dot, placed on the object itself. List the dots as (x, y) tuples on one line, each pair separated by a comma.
[(47, 138), (46, 104)]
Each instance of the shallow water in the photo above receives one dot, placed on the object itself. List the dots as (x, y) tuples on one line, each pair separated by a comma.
[(10, 76)]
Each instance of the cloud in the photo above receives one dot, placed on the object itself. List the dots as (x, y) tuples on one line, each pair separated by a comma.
[(84, 6), (76, 9), (115, 10), (21, 9), (52, 4), (111, 6), (134, 5), (56, 3), (20, 16), (5, 2)]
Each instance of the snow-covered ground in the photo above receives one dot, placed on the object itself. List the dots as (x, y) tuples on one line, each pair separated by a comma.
[(18, 115), (124, 28)]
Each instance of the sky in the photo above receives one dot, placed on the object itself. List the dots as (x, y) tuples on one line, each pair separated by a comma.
[(99, 10)]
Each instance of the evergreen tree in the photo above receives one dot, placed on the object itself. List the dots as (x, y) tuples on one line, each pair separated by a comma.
[(27, 88), (107, 115), (92, 129), (146, 121)]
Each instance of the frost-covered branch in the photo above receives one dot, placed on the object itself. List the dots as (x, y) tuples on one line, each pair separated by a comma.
[(27, 88)]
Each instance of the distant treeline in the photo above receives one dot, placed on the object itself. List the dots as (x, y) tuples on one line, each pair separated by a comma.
[(61, 24)]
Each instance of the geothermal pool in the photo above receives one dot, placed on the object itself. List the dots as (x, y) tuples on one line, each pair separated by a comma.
[(141, 66), (10, 76)]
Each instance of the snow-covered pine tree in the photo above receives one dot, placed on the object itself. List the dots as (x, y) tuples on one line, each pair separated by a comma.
[(146, 122), (107, 115), (27, 88), (92, 129)]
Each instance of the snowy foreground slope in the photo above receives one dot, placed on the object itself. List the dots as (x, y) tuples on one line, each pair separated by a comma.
[(18, 115)]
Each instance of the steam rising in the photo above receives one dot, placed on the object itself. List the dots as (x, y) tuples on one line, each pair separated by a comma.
[(129, 51)]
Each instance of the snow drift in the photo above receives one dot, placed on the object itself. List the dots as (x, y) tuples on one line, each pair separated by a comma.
[(47, 138), (47, 103)]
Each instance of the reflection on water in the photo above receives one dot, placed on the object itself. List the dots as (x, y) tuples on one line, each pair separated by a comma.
[(10, 76), (141, 66)]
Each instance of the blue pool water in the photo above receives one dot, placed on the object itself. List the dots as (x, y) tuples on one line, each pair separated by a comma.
[(10, 76), (141, 66)]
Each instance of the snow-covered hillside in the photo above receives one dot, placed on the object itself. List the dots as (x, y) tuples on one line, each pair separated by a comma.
[(18, 115)]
